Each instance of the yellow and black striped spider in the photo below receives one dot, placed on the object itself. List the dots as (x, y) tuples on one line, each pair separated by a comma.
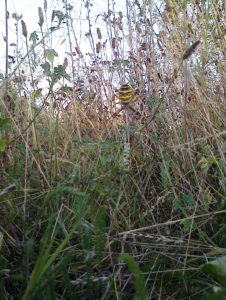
[(126, 95)]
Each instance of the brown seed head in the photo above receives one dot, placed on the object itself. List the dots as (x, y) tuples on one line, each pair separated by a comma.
[(45, 5), (99, 35), (113, 43), (98, 47), (24, 28), (41, 17)]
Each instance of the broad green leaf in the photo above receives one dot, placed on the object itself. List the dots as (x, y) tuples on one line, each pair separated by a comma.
[(203, 164), (2, 145), (60, 72), (218, 295), (21, 148), (217, 269), (46, 68), (34, 37), (50, 54), (4, 123), (37, 93), (208, 197), (187, 225)]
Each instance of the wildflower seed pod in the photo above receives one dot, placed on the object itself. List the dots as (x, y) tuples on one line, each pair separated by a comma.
[(41, 17), (24, 28), (45, 5), (98, 47), (99, 35), (113, 43), (53, 15), (65, 64), (120, 15)]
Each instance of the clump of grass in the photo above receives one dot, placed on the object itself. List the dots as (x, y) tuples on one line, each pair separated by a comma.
[(80, 223)]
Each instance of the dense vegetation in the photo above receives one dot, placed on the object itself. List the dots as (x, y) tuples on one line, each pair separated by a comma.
[(99, 202)]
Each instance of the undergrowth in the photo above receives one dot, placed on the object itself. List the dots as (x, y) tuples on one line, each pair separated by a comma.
[(100, 205)]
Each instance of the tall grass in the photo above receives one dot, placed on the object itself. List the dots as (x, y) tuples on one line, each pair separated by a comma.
[(115, 206)]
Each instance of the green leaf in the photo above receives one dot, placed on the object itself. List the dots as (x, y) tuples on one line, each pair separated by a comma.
[(155, 137), (204, 164), (108, 144), (129, 128), (46, 68), (185, 204), (152, 100), (217, 269), (37, 93), (21, 148), (126, 62), (60, 72), (50, 54), (59, 15), (4, 123), (3, 145), (219, 295), (212, 160), (139, 283), (116, 62), (34, 37), (165, 170), (58, 191), (105, 159), (188, 201), (100, 225), (188, 224)]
